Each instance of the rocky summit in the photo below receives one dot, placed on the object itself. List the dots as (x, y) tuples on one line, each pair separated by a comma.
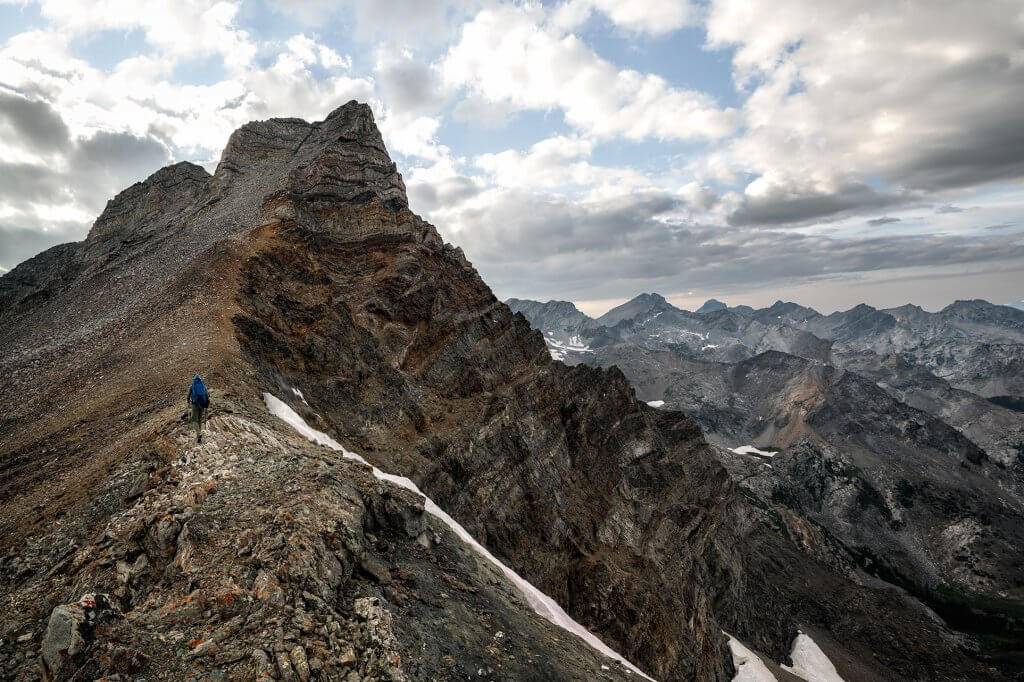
[(398, 482)]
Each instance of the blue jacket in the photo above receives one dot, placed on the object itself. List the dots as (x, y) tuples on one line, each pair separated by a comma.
[(197, 393)]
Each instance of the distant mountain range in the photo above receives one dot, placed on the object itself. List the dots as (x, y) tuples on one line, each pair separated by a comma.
[(897, 433), (973, 345)]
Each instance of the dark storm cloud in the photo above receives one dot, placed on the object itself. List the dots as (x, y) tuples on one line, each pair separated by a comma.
[(107, 162), (34, 123), (787, 207), (82, 173), (976, 156), (25, 182)]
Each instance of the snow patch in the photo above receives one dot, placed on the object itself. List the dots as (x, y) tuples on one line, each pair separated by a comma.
[(298, 393), (543, 605), (810, 662), (749, 667), (558, 349), (656, 403), (751, 450)]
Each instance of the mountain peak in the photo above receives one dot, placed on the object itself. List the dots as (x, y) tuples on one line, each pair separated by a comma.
[(341, 158), (975, 303), (149, 205), (642, 304), (561, 315), (711, 305)]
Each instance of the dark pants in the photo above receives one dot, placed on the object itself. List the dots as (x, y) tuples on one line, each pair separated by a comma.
[(198, 413)]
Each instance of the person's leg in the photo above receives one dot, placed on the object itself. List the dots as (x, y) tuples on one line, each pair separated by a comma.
[(197, 415)]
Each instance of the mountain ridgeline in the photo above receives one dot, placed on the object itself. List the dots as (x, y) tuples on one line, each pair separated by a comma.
[(329, 319)]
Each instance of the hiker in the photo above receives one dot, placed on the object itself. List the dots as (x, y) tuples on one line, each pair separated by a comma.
[(199, 399)]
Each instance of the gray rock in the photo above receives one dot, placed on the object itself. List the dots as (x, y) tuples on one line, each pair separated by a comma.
[(69, 632)]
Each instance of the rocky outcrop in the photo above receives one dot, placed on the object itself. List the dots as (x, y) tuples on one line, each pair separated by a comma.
[(424, 371), (553, 316), (69, 633), (151, 205), (710, 306), (644, 305)]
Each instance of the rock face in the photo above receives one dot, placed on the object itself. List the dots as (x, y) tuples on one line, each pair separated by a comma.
[(144, 208), (399, 345), (553, 316), (644, 305), (974, 345)]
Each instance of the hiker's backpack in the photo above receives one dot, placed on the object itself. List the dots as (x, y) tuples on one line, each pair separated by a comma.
[(199, 395)]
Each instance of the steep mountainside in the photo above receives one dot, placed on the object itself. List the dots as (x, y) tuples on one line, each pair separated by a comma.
[(559, 316)]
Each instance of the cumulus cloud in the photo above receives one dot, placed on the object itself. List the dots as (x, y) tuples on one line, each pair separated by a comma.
[(654, 17), (182, 30), (558, 162), (33, 123), (414, 23), (304, 78), (407, 84), (847, 114), (508, 55), (767, 201), (919, 95)]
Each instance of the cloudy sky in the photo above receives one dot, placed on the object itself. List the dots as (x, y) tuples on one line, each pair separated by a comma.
[(828, 153)]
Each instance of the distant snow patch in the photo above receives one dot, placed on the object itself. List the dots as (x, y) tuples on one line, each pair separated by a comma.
[(810, 662), (656, 403), (543, 605), (749, 667), (558, 349), (298, 393), (751, 450)]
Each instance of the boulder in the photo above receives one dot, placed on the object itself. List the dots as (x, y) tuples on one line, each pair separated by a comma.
[(70, 631)]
